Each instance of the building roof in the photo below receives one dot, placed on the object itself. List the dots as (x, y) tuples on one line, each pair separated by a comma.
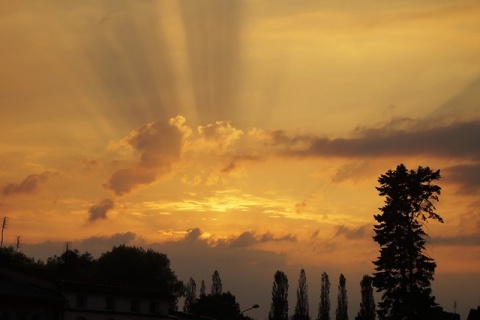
[(113, 288), (474, 314), (17, 285)]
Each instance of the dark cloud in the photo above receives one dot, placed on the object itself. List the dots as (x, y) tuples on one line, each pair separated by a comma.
[(99, 211), (249, 238), (246, 239), (193, 234), (461, 240), (352, 233), (467, 176), (281, 137), (266, 237), (106, 241), (159, 145), (459, 140), (29, 185), (123, 181)]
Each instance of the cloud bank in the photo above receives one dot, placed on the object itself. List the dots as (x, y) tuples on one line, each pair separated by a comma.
[(29, 185), (459, 140)]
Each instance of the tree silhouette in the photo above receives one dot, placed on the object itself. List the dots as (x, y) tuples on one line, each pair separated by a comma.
[(279, 306), (302, 308), (403, 272), (136, 266), (72, 264), (324, 305), (190, 295), (9, 257), (203, 290), (342, 301), (218, 306), (216, 283), (367, 304)]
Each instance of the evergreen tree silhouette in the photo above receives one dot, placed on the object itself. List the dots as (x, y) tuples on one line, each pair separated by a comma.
[(367, 304), (302, 310), (342, 301), (216, 284), (324, 304), (279, 306), (190, 295), (403, 271)]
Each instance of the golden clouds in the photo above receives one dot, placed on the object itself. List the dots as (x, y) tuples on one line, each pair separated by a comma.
[(159, 145), (220, 136), (162, 145)]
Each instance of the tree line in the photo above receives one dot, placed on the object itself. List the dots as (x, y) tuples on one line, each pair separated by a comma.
[(279, 305), (223, 305), (128, 265), (403, 271)]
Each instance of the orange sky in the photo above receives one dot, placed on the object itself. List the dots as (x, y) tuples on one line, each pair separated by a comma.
[(243, 136)]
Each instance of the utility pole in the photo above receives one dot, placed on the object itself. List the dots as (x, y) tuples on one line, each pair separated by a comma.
[(4, 226), (18, 243)]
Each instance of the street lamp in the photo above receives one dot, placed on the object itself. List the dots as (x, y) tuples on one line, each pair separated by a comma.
[(255, 306)]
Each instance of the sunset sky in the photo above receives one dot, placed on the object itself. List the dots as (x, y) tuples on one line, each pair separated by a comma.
[(242, 136)]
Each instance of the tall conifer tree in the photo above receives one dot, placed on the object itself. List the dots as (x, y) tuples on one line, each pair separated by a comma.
[(216, 284), (203, 289), (302, 310), (279, 307), (367, 304), (342, 301), (324, 305), (403, 271), (190, 295)]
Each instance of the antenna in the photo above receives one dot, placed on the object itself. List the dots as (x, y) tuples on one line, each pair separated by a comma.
[(455, 307), (4, 226)]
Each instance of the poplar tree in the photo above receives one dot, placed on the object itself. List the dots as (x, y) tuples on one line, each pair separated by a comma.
[(216, 284), (203, 289), (279, 306), (190, 295), (403, 271), (324, 305), (302, 311), (342, 301), (367, 304)]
